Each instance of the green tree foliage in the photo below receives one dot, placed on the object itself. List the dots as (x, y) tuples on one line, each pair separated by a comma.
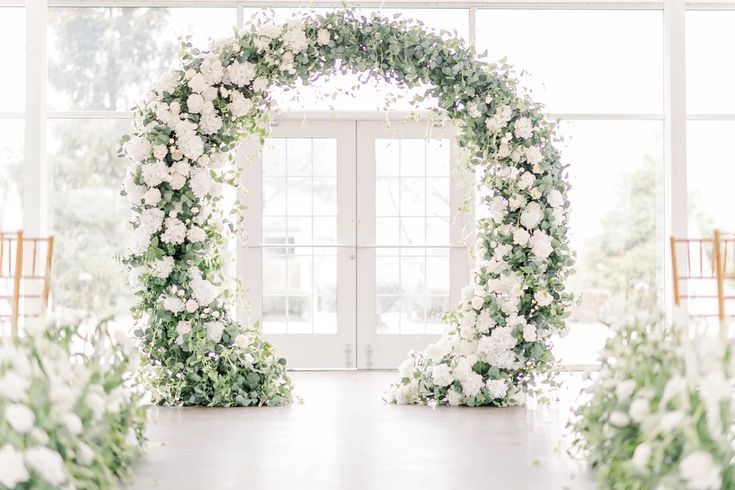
[(623, 262)]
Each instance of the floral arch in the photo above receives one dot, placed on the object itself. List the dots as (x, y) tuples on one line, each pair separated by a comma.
[(498, 338)]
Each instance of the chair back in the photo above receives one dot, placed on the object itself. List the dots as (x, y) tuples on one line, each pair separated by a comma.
[(25, 263)]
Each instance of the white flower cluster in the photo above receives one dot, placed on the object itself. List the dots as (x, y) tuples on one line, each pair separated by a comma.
[(48, 401), (661, 393)]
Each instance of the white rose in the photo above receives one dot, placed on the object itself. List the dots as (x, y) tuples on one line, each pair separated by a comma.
[(639, 410), (521, 236), (641, 455), (191, 305), (322, 37), (619, 419), (540, 244), (196, 234), (19, 417), (160, 151), (526, 180), (242, 340), (542, 298), (534, 155), (183, 328), (532, 215), (625, 390), (260, 84), (700, 471), (555, 198)]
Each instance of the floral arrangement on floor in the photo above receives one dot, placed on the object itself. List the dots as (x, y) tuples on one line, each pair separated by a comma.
[(66, 420), (659, 415), (181, 149)]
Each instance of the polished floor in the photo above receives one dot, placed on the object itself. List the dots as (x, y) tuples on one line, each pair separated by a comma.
[(343, 437)]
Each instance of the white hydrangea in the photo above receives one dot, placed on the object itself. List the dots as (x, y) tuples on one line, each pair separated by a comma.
[(212, 70), (521, 236), (47, 463), (498, 121), (441, 375), (151, 221), (152, 196), (529, 333), (13, 470), (239, 105), (203, 291), (19, 417), (183, 327), (534, 155), (471, 384), (295, 38), (497, 388), (526, 180), (174, 231), (173, 304), (240, 74), (542, 298), (201, 182), (162, 267), (191, 146), (210, 123), (194, 103), (523, 128), (168, 82), (198, 83), (134, 192), (154, 174), (214, 330)]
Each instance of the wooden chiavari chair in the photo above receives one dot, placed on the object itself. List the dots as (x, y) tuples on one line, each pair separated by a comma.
[(709, 263), (27, 262)]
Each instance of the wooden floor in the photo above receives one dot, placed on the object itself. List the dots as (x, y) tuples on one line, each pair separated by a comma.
[(343, 437)]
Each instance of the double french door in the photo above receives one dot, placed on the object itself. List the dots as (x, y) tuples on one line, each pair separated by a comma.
[(353, 248)]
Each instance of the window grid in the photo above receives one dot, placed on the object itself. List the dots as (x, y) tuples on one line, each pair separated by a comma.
[(406, 250), (294, 253)]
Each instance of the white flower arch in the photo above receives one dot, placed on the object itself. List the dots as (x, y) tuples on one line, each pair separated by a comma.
[(498, 338)]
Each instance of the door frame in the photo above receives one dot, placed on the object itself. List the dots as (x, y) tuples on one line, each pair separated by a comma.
[(312, 350)]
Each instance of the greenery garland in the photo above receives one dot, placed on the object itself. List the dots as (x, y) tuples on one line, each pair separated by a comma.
[(181, 146)]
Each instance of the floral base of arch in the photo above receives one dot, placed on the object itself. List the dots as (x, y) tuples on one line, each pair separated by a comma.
[(181, 148)]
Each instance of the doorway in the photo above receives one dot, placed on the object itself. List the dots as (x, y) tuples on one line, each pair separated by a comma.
[(354, 249)]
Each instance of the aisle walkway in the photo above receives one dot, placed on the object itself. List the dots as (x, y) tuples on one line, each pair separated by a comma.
[(343, 437)]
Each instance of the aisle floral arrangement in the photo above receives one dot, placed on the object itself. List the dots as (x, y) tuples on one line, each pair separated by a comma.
[(67, 420), (659, 415), (181, 149)]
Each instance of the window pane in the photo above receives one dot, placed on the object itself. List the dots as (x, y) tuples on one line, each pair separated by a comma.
[(11, 174), (581, 60), (616, 226), (412, 211), (710, 176), (107, 58), (710, 75), (13, 39), (88, 214), (299, 211)]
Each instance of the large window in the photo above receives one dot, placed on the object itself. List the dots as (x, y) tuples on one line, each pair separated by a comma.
[(598, 66), (12, 106), (101, 61), (609, 90), (711, 126)]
